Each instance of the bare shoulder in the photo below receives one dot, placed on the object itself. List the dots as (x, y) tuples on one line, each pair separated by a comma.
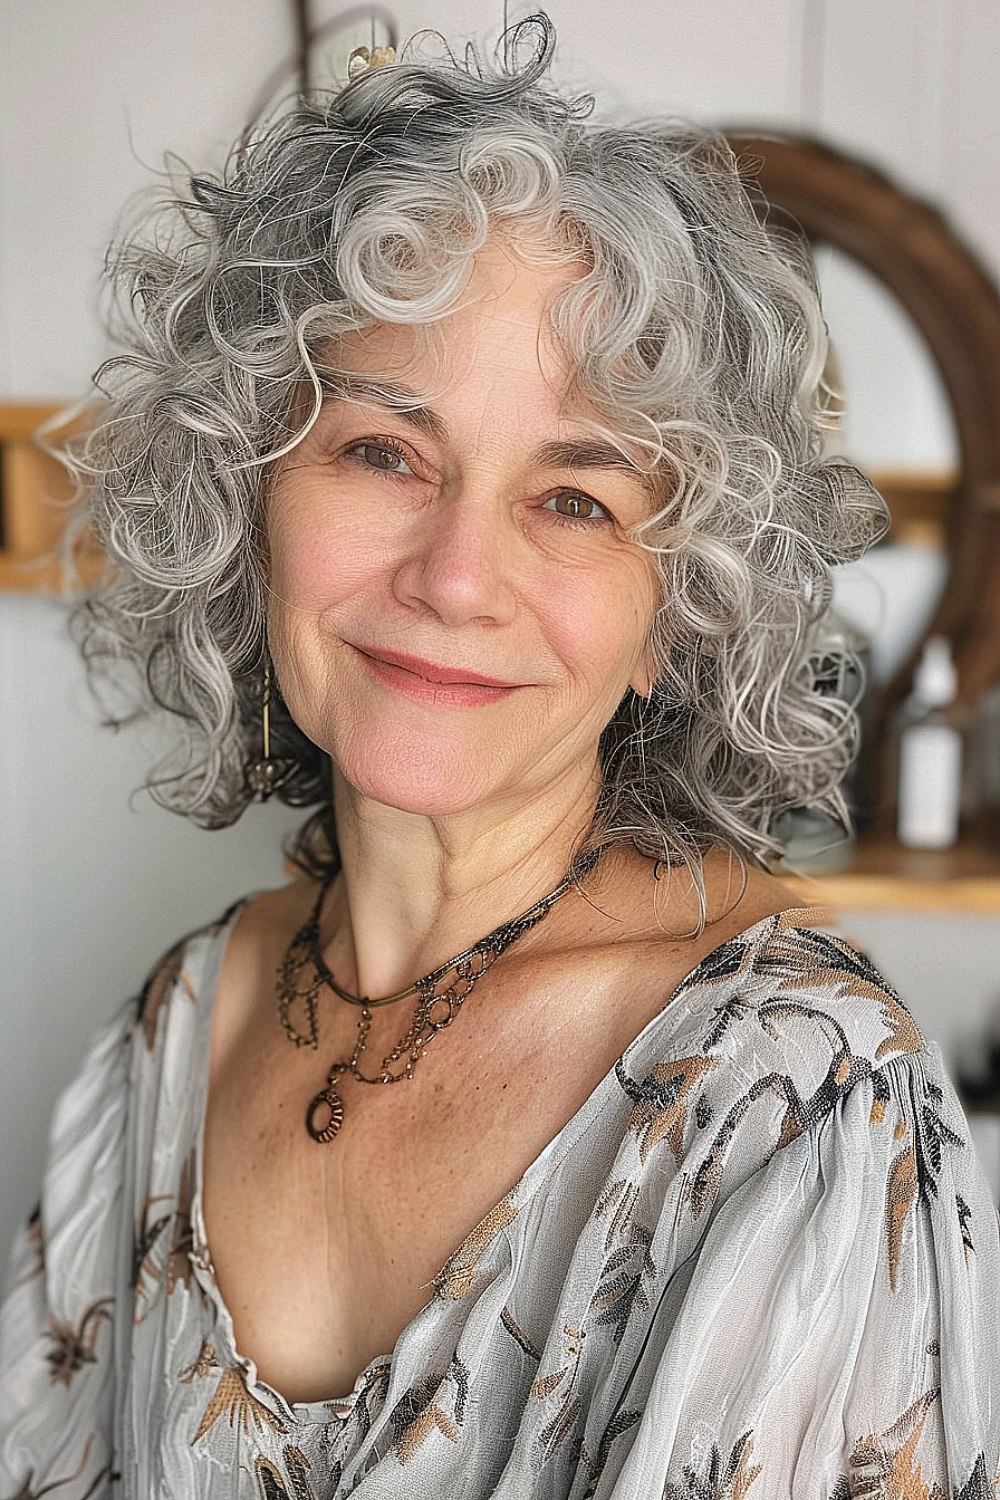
[(737, 897), (661, 908), (640, 931)]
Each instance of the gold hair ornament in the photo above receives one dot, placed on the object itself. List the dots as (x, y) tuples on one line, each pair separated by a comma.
[(363, 59)]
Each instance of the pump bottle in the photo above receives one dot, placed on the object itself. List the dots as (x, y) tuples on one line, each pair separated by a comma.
[(930, 754)]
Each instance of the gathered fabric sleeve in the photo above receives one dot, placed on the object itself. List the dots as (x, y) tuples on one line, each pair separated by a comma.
[(840, 1334), (65, 1284)]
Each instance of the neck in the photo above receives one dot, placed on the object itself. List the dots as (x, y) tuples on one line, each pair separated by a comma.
[(415, 890)]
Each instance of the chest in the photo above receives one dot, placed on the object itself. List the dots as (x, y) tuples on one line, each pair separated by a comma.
[(325, 1252)]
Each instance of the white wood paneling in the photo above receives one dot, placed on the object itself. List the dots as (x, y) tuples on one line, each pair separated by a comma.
[(714, 60), (95, 883), (884, 91), (886, 81), (97, 93), (971, 185)]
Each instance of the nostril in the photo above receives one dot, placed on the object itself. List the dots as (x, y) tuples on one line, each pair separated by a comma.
[(460, 568)]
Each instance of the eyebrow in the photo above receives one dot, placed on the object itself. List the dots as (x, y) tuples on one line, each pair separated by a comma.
[(589, 453), (578, 453), (396, 398)]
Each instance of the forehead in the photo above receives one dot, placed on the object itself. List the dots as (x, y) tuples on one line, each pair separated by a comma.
[(501, 321)]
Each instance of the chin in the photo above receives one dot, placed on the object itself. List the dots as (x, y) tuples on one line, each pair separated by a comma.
[(419, 777)]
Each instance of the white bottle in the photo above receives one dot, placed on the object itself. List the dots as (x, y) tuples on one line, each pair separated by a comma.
[(930, 754)]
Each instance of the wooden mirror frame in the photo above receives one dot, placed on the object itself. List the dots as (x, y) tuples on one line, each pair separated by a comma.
[(954, 303)]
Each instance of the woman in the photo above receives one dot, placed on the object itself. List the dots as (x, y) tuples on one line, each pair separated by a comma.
[(464, 479)]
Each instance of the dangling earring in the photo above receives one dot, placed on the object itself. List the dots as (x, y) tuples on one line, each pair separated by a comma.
[(266, 774)]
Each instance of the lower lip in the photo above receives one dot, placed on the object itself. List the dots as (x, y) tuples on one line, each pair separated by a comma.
[(446, 694)]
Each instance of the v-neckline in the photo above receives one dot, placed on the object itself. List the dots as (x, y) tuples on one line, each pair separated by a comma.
[(518, 1196)]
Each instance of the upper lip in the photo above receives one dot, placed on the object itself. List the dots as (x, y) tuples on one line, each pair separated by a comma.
[(432, 671)]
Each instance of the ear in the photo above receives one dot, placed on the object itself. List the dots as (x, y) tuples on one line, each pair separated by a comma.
[(642, 679), (645, 672)]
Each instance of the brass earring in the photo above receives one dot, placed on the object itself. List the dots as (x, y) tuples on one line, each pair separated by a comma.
[(268, 773)]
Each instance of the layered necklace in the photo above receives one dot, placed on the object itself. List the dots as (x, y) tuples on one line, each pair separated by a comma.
[(440, 995)]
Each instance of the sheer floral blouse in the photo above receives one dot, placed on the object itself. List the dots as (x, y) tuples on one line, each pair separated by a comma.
[(759, 1262)]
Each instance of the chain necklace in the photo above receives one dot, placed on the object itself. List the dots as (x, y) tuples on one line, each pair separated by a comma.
[(435, 1009)]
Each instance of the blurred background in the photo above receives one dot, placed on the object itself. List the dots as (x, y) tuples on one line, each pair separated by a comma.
[(96, 880)]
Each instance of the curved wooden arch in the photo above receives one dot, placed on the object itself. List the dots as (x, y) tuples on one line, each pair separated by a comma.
[(910, 248)]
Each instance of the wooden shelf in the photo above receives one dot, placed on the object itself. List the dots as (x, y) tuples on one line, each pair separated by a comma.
[(35, 503), (885, 876), (919, 502)]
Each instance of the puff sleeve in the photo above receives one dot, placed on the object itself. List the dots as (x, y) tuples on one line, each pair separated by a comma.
[(840, 1335), (57, 1326)]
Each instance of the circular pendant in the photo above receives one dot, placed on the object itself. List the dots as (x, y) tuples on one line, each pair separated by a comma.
[(329, 1100)]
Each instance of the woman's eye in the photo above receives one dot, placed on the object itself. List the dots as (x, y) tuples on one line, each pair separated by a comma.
[(576, 507), (381, 456)]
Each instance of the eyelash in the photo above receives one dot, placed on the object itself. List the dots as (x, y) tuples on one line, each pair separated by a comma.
[(581, 521), (356, 451)]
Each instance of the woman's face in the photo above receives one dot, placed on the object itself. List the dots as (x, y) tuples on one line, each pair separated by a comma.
[(456, 607)]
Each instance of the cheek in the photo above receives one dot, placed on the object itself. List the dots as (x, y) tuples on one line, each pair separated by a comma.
[(314, 563), (605, 622)]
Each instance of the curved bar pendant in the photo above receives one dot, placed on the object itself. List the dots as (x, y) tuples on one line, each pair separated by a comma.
[(327, 1099)]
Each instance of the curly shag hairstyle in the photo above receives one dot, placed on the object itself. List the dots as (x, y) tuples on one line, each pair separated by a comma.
[(694, 334)]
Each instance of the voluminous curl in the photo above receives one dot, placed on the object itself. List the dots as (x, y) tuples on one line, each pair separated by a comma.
[(695, 335)]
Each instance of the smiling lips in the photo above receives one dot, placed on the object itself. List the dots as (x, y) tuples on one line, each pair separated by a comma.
[(428, 682)]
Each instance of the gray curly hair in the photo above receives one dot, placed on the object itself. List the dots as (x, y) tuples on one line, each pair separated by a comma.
[(695, 334)]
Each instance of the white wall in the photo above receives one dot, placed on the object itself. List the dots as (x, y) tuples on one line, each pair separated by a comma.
[(92, 92), (94, 887)]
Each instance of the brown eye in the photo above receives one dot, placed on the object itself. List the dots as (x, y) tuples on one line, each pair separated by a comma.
[(381, 456), (576, 507)]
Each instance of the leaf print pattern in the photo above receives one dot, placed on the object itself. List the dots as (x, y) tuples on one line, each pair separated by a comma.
[(914, 1173), (623, 1422), (455, 1279), (880, 1098), (705, 1182), (169, 974), (74, 1344), (29, 1492), (620, 1289), (232, 1400), (162, 1261), (716, 1480), (661, 1101), (178, 1267), (517, 1333), (564, 1420), (730, 1013), (35, 1236), (296, 1486), (724, 962), (420, 1413), (206, 1362), (146, 1279), (964, 1218), (932, 1136), (887, 1463), (619, 1199), (157, 990), (979, 1486), (794, 961), (900, 1196)]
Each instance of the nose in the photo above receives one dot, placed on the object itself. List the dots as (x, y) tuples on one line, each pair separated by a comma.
[(458, 561)]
